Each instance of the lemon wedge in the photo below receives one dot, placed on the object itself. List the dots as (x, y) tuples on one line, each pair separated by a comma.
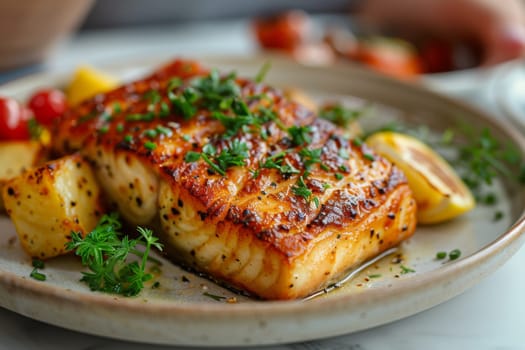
[(87, 82), (439, 192)]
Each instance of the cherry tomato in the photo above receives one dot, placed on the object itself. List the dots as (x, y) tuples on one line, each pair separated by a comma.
[(47, 105), (13, 120), (285, 31)]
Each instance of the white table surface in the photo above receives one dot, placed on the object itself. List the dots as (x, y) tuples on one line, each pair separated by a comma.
[(487, 316)]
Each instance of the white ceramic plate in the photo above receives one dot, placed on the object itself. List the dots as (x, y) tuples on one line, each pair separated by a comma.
[(179, 313)]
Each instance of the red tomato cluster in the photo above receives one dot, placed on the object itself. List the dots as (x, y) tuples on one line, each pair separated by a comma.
[(288, 32), (44, 106)]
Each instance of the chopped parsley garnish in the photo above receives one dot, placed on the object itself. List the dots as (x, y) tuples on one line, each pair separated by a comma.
[(103, 129), (159, 130), (233, 155), (128, 139), (278, 161), (119, 128), (151, 133), (340, 115), (150, 145), (192, 157), (441, 255), (164, 110), (153, 97), (140, 117), (212, 90), (213, 296), (116, 108), (300, 189), (266, 114), (183, 103), (376, 275), (338, 176), (358, 142), (232, 124), (104, 251), (35, 129), (38, 264), (481, 158), (484, 157), (255, 173), (259, 78), (105, 117), (300, 135), (369, 156), (162, 130), (405, 269), (454, 254), (174, 83), (310, 157), (243, 119), (35, 274), (447, 137), (488, 199), (498, 216)]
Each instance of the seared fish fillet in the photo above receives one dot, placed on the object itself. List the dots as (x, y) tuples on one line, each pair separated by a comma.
[(244, 184)]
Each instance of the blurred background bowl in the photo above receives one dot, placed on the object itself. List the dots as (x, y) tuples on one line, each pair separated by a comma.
[(29, 29)]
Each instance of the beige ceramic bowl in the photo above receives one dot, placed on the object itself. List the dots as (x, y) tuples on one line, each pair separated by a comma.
[(29, 29)]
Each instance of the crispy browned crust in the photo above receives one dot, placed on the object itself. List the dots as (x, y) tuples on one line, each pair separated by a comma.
[(264, 208)]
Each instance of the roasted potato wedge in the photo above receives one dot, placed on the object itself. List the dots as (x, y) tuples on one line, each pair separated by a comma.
[(48, 202), (16, 157)]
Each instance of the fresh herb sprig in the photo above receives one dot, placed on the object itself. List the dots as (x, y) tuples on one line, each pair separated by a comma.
[(485, 157), (105, 251)]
